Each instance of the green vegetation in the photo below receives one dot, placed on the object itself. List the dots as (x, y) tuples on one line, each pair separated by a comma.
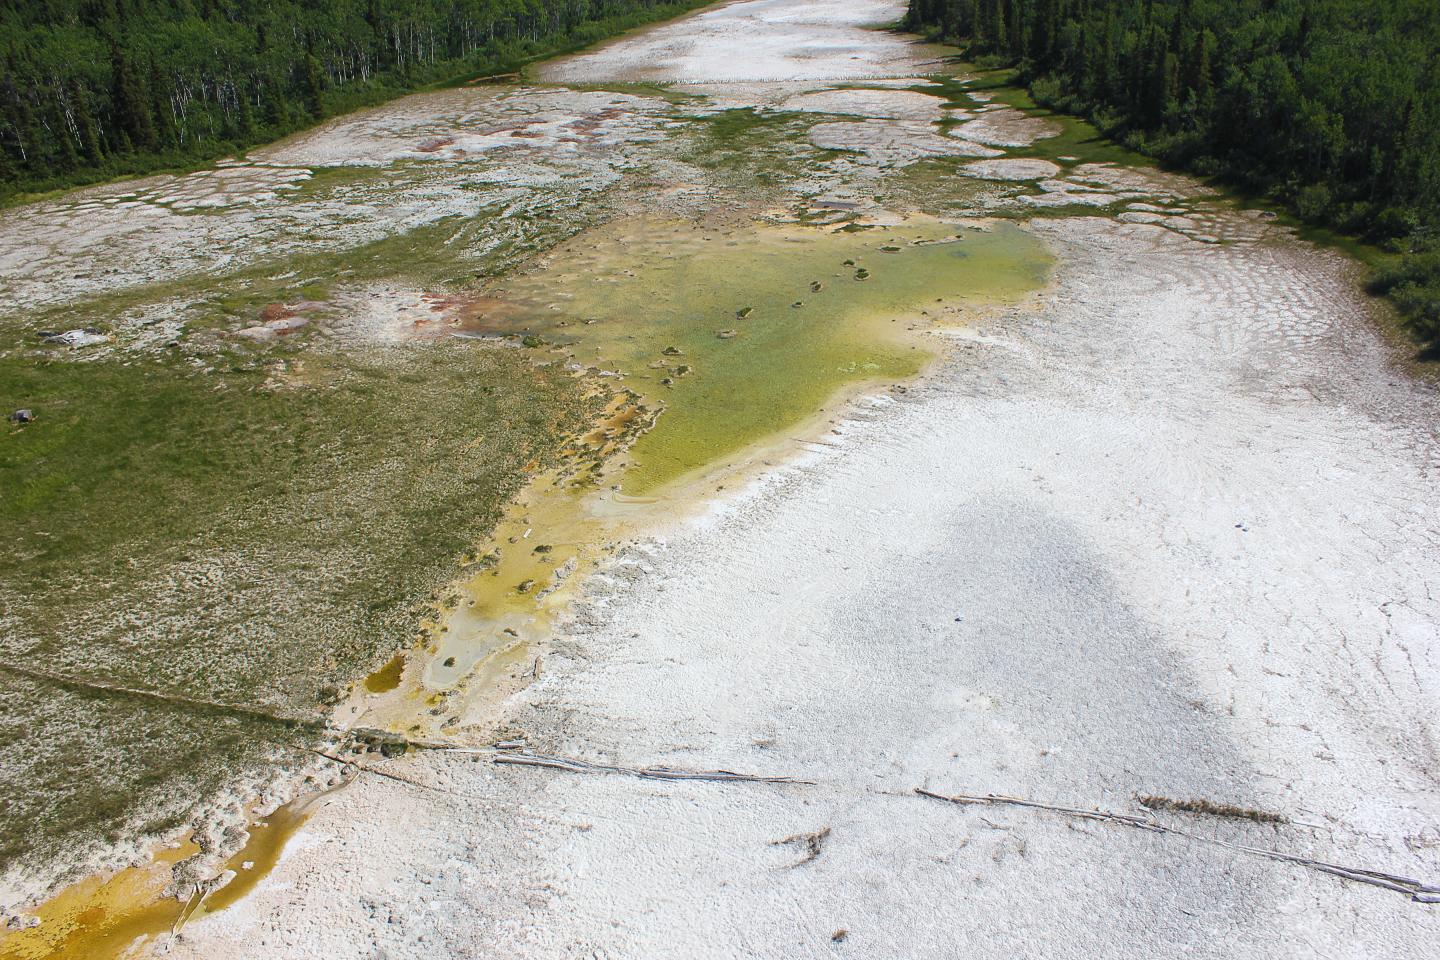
[(1331, 107), (91, 89), (230, 543)]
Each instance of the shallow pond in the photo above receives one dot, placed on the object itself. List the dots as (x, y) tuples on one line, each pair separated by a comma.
[(740, 332)]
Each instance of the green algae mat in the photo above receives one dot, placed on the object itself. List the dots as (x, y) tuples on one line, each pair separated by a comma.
[(737, 333)]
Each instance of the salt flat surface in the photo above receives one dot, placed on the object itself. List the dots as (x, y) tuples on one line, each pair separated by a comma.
[(890, 104), (1019, 168), (1167, 531), (757, 40), (893, 143), (1006, 127), (1169, 528)]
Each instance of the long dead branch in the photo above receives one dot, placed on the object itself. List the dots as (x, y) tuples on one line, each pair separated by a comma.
[(356, 769), (1415, 889), (648, 773)]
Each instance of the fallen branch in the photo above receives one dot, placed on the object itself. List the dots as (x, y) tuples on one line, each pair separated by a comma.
[(1415, 889), (355, 769), (1209, 808), (202, 891), (813, 844), (648, 773)]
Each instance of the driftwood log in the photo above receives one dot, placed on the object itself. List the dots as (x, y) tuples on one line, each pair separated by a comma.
[(648, 773), (1418, 891)]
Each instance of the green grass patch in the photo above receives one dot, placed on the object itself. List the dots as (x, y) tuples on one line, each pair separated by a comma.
[(207, 536)]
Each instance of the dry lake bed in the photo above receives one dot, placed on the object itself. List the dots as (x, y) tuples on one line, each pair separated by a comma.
[(752, 488)]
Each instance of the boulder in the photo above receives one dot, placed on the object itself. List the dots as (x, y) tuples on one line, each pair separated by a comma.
[(77, 338)]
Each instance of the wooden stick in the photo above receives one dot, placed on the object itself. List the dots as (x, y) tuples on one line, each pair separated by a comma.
[(648, 773), (813, 843), (1417, 891), (203, 889)]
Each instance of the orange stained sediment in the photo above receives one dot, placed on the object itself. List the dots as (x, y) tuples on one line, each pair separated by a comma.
[(124, 914)]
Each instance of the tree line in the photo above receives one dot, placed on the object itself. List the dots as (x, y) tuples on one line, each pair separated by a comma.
[(94, 88), (1329, 106)]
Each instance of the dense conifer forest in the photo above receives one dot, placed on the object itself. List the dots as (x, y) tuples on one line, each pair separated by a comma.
[(94, 88), (1329, 106)]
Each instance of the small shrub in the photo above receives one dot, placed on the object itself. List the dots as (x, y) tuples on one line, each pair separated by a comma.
[(1393, 222), (1314, 202)]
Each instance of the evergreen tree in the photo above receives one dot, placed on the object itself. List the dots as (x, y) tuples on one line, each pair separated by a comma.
[(63, 153), (1045, 29), (980, 23), (1198, 71), (244, 116), (277, 110), (314, 87), (131, 107), (167, 134), (85, 121), (1169, 85), (999, 38), (28, 137)]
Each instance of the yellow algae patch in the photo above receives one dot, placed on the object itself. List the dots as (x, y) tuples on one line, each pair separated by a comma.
[(545, 544), (261, 852), (116, 916), (101, 917), (387, 678)]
